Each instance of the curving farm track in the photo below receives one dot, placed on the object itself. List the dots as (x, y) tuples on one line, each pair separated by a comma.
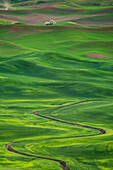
[(62, 163)]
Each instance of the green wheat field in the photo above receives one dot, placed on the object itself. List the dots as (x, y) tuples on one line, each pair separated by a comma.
[(65, 73)]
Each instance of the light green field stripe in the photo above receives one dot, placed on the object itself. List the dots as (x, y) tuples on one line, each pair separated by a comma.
[(18, 45), (19, 100), (10, 169)]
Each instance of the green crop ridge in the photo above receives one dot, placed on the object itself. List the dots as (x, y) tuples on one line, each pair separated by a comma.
[(9, 49)]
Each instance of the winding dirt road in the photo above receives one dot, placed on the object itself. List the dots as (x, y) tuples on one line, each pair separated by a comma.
[(62, 163), (101, 130)]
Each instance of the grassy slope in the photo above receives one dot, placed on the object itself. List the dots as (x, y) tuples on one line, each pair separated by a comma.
[(12, 50), (56, 72)]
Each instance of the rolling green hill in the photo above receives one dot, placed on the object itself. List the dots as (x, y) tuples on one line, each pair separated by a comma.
[(65, 73)]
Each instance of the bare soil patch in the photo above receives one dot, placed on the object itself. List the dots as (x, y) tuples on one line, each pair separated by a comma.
[(51, 8), (64, 9), (96, 20), (38, 18), (9, 17), (34, 19), (97, 55), (45, 5)]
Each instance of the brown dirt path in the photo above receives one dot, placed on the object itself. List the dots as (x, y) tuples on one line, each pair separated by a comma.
[(62, 163), (44, 5), (101, 130)]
